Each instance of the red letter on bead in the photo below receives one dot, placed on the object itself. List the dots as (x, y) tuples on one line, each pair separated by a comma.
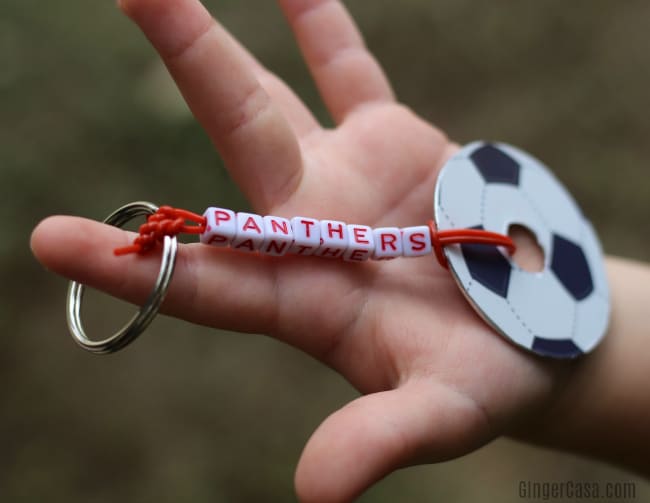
[(416, 241), (361, 243), (334, 239), (278, 236), (306, 235), (250, 235), (388, 243), (220, 227)]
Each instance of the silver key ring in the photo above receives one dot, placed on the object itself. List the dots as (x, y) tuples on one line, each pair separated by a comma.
[(141, 320)]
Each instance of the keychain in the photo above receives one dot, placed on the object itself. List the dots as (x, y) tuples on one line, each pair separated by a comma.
[(561, 311)]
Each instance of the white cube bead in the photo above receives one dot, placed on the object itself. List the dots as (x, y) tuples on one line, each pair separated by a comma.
[(306, 235), (361, 243), (278, 236), (250, 232), (416, 241), (388, 243), (221, 227), (333, 239)]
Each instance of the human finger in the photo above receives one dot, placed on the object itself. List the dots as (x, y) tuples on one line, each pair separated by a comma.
[(345, 72), (255, 140), (381, 432), (222, 288), (58, 241)]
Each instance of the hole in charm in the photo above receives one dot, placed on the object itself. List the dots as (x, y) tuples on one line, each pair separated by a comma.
[(529, 255)]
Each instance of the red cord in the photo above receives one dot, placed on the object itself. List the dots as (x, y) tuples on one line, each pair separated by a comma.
[(440, 239), (167, 221)]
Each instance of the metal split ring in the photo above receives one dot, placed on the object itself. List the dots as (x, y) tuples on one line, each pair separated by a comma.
[(141, 320)]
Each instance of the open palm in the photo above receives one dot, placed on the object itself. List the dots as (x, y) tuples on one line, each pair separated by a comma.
[(437, 382)]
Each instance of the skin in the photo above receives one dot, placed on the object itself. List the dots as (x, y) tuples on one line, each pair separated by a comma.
[(436, 382)]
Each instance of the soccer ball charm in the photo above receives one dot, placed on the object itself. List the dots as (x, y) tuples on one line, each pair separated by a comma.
[(561, 311)]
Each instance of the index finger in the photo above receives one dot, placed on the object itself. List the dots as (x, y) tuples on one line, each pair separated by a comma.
[(255, 140)]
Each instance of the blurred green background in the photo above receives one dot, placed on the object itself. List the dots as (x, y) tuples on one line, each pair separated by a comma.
[(88, 118)]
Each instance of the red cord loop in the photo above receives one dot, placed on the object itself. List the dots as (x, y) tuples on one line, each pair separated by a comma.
[(167, 221), (440, 239)]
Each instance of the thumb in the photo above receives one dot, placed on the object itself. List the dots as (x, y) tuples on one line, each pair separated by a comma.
[(379, 433)]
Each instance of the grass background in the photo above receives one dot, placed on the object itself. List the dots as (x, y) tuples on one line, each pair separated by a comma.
[(88, 119)]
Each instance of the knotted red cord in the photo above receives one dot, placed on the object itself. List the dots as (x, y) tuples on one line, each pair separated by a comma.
[(167, 221), (440, 239)]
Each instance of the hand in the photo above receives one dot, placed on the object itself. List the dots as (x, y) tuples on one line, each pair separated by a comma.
[(437, 382)]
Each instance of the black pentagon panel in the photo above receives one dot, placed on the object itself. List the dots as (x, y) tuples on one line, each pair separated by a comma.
[(488, 267), (495, 165), (563, 348), (570, 267)]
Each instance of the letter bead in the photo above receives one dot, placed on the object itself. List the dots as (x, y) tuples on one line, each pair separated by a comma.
[(221, 227), (306, 235), (333, 239), (250, 232), (416, 241), (361, 243), (388, 243), (278, 236)]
